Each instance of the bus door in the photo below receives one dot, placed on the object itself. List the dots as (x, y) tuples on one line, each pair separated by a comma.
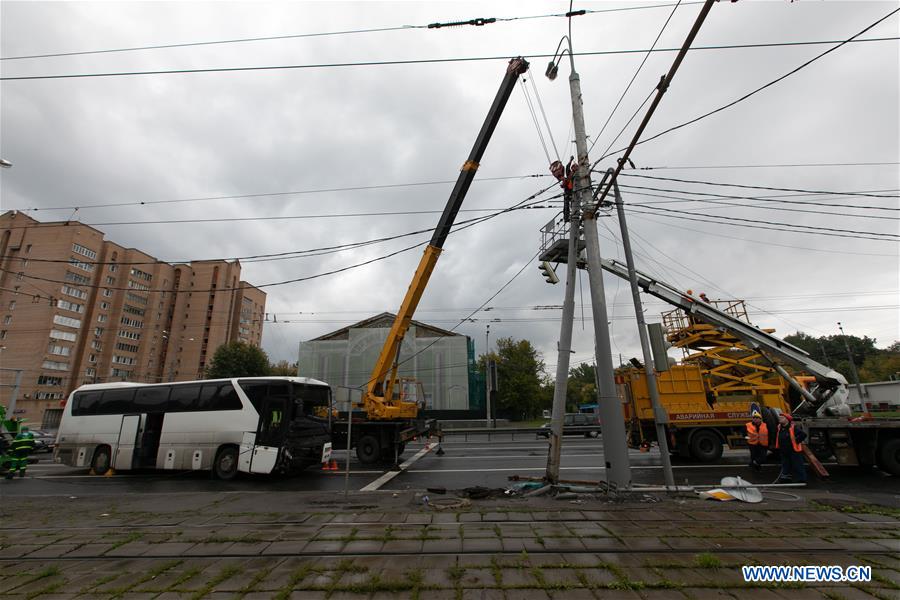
[(270, 434), (128, 442), (153, 424)]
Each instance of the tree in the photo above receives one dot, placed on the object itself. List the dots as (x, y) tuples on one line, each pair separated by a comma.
[(873, 364), (581, 387), (283, 367), (521, 392), (237, 359)]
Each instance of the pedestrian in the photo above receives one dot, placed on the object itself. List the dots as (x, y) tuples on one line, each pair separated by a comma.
[(757, 440), (22, 447), (788, 442)]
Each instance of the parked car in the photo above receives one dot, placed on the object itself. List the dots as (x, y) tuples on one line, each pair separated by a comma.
[(44, 441), (586, 424)]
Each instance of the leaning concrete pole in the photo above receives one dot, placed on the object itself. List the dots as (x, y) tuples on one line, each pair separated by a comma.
[(658, 416), (615, 449), (564, 351)]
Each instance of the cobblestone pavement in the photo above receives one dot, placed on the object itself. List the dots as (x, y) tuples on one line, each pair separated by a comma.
[(392, 545)]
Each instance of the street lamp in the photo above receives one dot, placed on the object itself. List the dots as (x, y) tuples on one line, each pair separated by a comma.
[(5, 163), (553, 67)]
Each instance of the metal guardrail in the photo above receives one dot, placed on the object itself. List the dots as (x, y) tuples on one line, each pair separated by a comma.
[(513, 431)]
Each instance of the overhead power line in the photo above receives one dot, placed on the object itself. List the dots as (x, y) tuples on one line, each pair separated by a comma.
[(761, 88), (757, 224), (379, 63), (791, 209), (472, 222), (276, 218), (759, 187), (771, 166), (633, 77), (354, 188), (474, 22), (761, 198)]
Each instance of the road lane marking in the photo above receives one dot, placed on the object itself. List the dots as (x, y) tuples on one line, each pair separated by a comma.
[(403, 467), (573, 468)]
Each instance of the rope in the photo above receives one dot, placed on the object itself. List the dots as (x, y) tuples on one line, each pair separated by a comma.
[(537, 125), (544, 114)]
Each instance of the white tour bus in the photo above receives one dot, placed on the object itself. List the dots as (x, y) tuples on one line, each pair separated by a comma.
[(248, 424)]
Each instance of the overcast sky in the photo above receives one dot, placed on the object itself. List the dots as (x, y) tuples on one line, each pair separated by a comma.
[(258, 134)]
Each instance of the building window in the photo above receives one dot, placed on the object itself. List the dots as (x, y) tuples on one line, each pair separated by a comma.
[(49, 380), (16, 291), (97, 345), (110, 280), (27, 248), (74, 292), (98, 331), (60, 350), (104, 306), (55, 366), (92, 358), (67, 321), (84, 251), (76, 278), (56, 334), (113, 268), (7, 319), (81, 265), (141, 275), (48, 395), (12, 305), (3, 334), (120, 373), (101, 318), (66, 305), (138, 286), (127, 347), (20, 275), (90, 371), (107, 293)]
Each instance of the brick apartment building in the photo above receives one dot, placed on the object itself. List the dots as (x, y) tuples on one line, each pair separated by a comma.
[(76, 309)]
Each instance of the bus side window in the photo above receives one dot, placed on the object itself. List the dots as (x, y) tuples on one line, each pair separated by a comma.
[(86, 403), (116, 402), (184, 398), (152, 399), (256, 392)]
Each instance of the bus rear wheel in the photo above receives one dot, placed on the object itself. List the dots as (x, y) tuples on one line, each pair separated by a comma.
[(100, 463), (225, 466)]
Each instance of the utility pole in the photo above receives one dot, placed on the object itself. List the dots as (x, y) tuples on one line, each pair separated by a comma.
[(853, 372), (487, 376), (615, 449), (649, 370)]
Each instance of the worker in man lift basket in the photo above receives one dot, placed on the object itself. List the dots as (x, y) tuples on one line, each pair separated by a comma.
[(788, 442), (757, 440)]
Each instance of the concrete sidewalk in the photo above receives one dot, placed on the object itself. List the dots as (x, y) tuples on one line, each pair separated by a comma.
[(393, 545)]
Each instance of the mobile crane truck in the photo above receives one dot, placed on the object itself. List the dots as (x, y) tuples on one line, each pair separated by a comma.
[(391, 419), (818, 401)]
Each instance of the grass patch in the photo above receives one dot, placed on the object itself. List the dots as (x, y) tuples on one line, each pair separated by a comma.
[(707, 560), (496, 571), (185, 577), (131, 537), (298, 576), (225, 574)]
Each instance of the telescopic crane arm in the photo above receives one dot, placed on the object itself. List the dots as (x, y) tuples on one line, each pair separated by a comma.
[(379, 399), (831, 393)]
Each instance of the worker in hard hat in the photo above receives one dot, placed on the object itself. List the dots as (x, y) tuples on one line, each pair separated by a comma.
[(21, 448), (789, 443), (757, 439)]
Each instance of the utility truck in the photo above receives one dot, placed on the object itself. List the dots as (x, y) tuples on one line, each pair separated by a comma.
[(729, 365), (391, 406)]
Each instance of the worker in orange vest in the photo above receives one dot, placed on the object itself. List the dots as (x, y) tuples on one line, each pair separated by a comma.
[(789, 443), (757, 440)]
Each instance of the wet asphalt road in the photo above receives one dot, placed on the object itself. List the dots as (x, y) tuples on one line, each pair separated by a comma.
[(476, 461)]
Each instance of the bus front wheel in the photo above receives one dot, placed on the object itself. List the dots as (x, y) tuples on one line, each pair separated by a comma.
[(100, 463), (226, 464)]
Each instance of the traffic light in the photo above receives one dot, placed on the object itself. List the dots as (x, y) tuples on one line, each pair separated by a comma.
[(548, 272)]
